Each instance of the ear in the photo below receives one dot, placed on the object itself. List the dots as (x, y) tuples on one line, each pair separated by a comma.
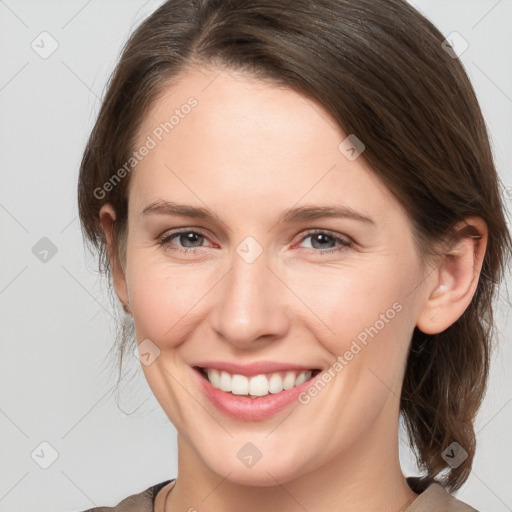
[(456, 278), (107, 217)]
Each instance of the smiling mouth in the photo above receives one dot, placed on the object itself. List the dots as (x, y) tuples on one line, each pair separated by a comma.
[(256, 385)]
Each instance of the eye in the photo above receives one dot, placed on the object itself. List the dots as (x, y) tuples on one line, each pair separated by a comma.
[(186, 237), (323, 240)]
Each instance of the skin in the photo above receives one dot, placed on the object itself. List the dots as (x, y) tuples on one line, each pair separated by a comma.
[(248, 151)]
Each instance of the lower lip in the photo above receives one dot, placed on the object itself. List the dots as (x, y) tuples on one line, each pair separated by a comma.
[(252, 409)]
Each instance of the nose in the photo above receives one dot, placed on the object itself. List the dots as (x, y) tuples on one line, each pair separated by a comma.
[(251, 308)]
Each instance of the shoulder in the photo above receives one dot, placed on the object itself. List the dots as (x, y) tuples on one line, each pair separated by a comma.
[(139, 502), (434, 497)]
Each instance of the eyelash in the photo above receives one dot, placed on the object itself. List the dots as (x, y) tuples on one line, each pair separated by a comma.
[(343, 245)]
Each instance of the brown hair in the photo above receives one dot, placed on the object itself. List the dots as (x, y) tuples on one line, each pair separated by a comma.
[(380, 70)]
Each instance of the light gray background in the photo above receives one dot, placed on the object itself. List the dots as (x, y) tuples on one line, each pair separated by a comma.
[(56, 323)]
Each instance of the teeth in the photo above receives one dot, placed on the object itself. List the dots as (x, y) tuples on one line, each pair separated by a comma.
[(275, 383), (239, 385), (258, 385), (225, 381), (289, 381)]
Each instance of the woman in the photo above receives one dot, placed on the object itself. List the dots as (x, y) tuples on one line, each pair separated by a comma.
[(331, 162)]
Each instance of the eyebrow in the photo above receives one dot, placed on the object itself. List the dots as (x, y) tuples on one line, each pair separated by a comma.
[(289, 216)]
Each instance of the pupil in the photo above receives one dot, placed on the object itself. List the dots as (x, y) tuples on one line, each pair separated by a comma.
[(319, 237), (189, 237)]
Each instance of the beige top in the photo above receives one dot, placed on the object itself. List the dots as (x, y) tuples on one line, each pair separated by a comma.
[(434, 498)]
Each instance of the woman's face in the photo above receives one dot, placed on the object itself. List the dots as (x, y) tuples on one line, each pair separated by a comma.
[(263, 276)]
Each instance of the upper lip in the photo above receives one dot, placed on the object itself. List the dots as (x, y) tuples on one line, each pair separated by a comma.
[(256, 368)]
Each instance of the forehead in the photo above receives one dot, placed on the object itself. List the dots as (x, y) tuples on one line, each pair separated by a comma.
[(226, 137), (224, 102)]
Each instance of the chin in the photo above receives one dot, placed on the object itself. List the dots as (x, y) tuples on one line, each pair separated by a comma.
[(268, 471)]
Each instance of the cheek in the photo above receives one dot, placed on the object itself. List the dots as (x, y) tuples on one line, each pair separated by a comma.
[(165, 300), (355, 304), (367, 321)]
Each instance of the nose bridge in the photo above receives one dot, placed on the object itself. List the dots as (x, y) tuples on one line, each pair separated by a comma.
[(250, 306)]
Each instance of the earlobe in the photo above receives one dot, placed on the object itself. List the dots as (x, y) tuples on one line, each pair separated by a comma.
[(456, 277), (107, 217)]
